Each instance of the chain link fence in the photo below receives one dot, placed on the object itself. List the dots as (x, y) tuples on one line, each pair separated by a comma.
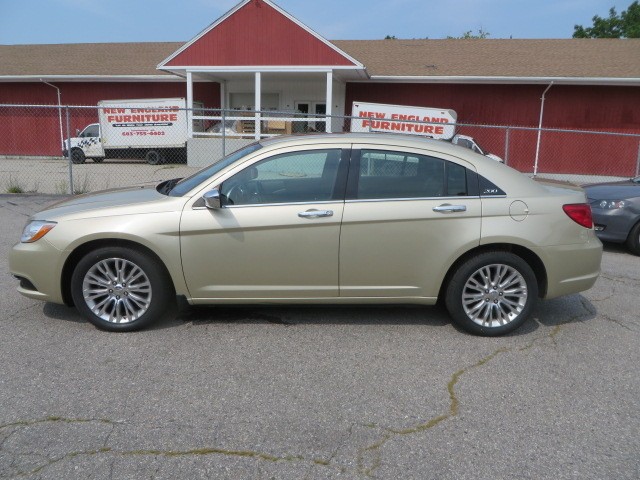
[(65, 149)]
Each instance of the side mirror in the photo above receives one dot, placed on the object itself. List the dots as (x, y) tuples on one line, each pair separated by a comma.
[(77, 132), (212, 199)]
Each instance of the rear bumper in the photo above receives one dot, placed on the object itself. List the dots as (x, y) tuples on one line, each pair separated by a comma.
[(571, 268)]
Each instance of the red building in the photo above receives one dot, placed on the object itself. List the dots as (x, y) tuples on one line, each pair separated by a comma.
[(257, 56)]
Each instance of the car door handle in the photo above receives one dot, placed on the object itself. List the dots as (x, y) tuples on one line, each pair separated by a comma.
[(446, 208), (316, 213)]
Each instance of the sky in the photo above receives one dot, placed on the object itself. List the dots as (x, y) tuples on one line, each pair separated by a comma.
[(97, 21)]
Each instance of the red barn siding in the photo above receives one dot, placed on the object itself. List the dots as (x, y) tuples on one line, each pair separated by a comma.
[(599, 108), (17, 125), (257, 34)]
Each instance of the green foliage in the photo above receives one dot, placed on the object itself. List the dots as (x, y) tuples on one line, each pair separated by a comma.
[(625, 25), (390, 37), (14, 186), (470, 35)]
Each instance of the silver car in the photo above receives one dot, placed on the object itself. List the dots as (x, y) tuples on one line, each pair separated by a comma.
[(322, 219)]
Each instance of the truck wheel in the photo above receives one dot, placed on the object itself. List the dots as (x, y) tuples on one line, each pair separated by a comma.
[(77, 156), (154, 157), (98, 159)]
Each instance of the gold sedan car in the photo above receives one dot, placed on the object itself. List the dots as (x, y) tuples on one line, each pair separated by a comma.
[(322, 219)]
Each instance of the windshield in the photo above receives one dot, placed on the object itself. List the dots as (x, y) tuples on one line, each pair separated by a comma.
[(636, 180), (186, 184)]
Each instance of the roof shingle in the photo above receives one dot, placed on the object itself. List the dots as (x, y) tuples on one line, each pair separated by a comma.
[(579, 58)]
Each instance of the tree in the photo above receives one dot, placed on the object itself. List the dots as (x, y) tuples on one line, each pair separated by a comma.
[(625, 25), (390, 37), (469, 34)]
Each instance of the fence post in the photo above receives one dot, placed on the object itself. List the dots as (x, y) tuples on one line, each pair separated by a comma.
[(223, 129), (506, 146), (638, 162), (69, 152)]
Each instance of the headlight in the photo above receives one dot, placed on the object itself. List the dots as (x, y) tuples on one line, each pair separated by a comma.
[(612, 204), (35, 230)]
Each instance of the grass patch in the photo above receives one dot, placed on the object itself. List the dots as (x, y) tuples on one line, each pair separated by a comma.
[(15, 186)]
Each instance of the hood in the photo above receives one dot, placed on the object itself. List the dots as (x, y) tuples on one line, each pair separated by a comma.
[(122, 201)]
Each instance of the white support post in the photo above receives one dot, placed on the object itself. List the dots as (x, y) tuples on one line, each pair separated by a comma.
[(223, 94), (189, 105), (258, 103), (329, 102), (223, 106), (535, 164)]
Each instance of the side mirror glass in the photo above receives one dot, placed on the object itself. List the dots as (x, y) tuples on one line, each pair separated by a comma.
[(212, 199)]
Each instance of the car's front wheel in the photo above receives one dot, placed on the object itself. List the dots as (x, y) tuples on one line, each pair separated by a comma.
[(633, 240), (120, 289), (492, 293)]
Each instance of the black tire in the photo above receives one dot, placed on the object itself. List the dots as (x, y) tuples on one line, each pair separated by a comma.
[(154, 157), (491, 309), (113, 304), (77, 156), (98, 159), (633, 240)]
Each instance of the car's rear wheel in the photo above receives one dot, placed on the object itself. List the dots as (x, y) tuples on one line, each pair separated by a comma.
[(120, 289), (633, 240), (492, 293)]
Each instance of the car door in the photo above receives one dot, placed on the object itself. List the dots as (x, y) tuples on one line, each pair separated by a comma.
[(407, 215), (277, 233)]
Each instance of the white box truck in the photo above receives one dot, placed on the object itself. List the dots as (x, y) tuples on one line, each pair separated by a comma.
[(436, 123), (152, 129)]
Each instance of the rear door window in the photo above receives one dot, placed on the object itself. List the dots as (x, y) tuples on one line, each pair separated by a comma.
[(383, 174)]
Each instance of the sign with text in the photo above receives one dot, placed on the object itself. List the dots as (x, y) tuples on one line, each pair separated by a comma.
[(380, 117)]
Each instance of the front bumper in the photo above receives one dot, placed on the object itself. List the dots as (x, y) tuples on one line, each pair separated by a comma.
[(40, 264)]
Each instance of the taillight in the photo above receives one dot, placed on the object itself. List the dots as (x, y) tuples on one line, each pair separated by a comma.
[(579, 213)]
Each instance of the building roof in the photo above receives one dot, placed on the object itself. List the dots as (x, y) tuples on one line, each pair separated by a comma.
[(295, 43), (82, 59), (588, 58), (519, 61)]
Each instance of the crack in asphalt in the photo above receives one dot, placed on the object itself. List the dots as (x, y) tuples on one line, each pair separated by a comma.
[(454, 402), (454, 405), (363, 467), (48, 461), (608, 297), (634, 282), (368, 459)]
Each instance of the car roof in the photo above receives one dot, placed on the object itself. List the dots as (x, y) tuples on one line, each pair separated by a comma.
[(414, 141)]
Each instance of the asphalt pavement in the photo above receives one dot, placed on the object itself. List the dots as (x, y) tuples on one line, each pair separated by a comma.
[(317, 393)]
